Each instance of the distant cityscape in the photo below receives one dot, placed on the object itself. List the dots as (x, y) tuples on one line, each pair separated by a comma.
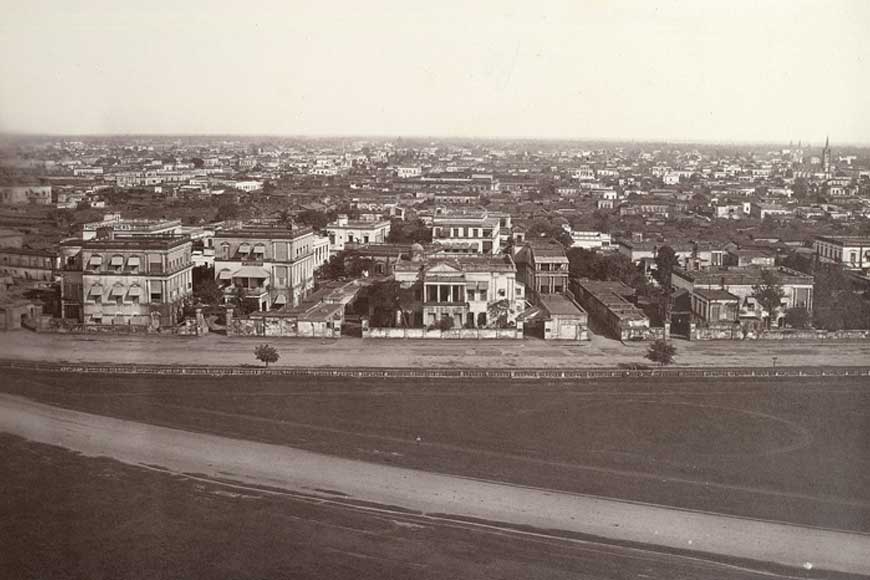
[(413, 238)]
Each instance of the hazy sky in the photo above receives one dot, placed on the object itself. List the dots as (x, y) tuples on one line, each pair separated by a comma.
[(689, 70)]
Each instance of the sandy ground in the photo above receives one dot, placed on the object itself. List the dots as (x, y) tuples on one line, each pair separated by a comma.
[(292, 469), (599, 352)]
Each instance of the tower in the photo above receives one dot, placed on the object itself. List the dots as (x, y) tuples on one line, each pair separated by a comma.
[(826, 157)]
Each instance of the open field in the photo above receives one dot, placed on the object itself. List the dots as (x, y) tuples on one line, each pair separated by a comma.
[(66, 516), (794, 450), (423, 498), (599, 352)]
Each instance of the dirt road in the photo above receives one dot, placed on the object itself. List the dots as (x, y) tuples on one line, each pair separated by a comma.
[(297, 470), (598, 352)]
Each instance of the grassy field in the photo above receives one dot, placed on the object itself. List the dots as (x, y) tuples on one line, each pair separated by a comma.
[(795, 451), (64, 516)]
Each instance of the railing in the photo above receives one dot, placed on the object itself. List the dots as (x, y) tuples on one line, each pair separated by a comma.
[(442, 373)]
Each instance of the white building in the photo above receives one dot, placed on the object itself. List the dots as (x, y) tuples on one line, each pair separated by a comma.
[(344, 231), (853, 252), (590, 240), (268, 266), (472, 291), (408, 172), (467, 233)]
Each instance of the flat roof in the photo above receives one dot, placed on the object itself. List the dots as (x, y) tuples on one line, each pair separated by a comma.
[(846, 240), (139, 242), (716, 294), (560, 305)]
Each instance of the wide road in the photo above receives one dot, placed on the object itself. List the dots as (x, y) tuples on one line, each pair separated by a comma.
[(302, 471)]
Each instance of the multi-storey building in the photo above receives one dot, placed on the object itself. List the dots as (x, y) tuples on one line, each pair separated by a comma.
[(467, 233), (472, 291), (29, 194), (542, 266), (113, 225), (853, 252), (344, 231), (740, 282), (267, 265), (127, 281), (590, 240), (30, 265)]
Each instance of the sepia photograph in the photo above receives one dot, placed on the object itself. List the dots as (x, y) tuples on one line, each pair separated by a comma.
[(445, 290)]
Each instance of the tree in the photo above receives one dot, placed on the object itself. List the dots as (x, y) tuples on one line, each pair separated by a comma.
[(266, 353), (383, 302), (545, 228), (227, 211), (797, 317), (205, 288), (769, 293), (409, 232), (661, 351), (499, 313), (315, 218), (666, 261)]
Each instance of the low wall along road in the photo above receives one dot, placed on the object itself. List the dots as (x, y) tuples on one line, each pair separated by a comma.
[(436, 372)]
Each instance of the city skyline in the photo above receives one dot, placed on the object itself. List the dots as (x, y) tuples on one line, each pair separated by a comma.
[(669, 72)]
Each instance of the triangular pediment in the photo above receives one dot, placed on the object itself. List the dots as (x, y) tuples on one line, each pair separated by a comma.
[(443, 268)]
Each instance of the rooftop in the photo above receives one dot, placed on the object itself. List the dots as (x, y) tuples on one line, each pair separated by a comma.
[(742, 276), (560, 305), (137, 243)]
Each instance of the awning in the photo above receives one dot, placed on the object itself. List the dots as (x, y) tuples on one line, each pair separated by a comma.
[(95, 291), (280, 299), (481, 285), (117, 260), (225, 275), (133, 261), (134, 291), (251, 272), (117, 291), (96, 260), (245, 248), (259, 249)]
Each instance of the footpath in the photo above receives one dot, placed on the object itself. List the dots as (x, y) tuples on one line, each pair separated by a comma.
[(356, 352)]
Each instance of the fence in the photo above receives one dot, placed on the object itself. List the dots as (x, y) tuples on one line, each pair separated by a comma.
[(441, 373), (452, 334)]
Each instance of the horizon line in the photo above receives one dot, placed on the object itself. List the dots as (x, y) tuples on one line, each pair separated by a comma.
[(385, 136)]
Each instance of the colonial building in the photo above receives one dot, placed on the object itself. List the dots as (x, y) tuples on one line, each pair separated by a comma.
[(344, 231), (472, 291), (853, 252), (542, 266), (590, 240), (128, 281), (608, 305), (467, 233), (25, 194), (267, 265), (738, 283), (113, 225), (28, 265), (714, 305)]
